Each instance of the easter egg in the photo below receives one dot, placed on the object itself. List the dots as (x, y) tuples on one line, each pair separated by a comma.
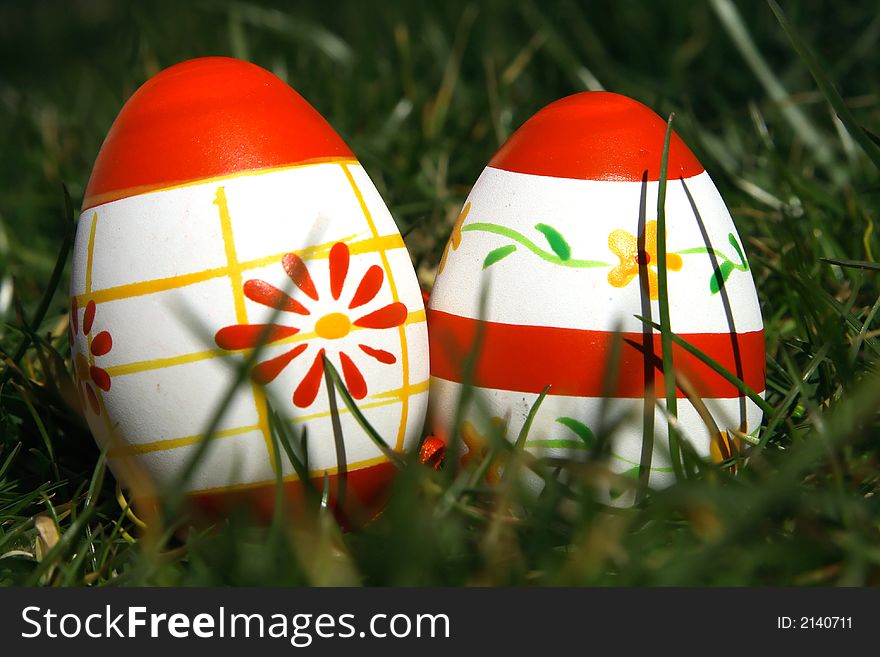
[(550, 265), (224, 215)]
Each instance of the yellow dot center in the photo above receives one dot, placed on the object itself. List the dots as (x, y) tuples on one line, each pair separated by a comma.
[(333, 326)]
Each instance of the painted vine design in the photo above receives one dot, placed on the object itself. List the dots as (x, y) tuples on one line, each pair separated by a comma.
[(621, 243), (585, 440), (723, 446)]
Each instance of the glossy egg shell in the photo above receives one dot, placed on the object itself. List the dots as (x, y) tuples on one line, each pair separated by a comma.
[(223, 211), (560, 235)]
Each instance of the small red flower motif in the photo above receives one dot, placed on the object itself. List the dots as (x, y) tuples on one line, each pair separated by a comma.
[(330, 326), (87, 376)]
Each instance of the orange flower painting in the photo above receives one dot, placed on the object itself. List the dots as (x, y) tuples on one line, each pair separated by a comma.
[(626, 247), (327, 328), (455, 238), (86, 375)]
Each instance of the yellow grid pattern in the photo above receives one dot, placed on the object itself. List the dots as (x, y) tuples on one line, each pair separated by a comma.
[(235, 278), (358, 465), (320, 251), (415, 317), (401, 330), (233, 269), (105, 417), (383, 399), (140, 190)]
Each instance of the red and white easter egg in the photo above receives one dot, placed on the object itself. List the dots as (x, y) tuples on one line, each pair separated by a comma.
[(559, 234), (224, 210)]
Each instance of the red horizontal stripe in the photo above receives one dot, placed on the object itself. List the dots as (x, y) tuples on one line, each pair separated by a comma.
[(573, 361)]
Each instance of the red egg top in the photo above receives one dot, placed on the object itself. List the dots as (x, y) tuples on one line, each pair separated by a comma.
[(595, 135), (204, 118)]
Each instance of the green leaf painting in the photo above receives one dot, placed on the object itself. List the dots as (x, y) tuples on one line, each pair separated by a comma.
[(582, 430), (719, 278), (632, 473), (735, 245), (498, 254), (556, 241), (560, 251)]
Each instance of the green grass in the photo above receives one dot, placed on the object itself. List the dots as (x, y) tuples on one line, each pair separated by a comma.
[(424, 93)]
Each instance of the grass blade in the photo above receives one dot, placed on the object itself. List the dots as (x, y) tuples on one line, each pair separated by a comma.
[(870, 147), (77, 526), (856, 264), (52, 285), (717, 367), (527, 425), (285, 439), (524, 431), (665, 320), (736, 28), (338, 439), (350, 404)]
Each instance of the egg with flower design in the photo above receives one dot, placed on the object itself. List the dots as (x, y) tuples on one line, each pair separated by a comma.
[(552, 278), (226, 223)]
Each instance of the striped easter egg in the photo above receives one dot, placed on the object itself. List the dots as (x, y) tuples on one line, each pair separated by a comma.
[(224, 212), (558, 237)]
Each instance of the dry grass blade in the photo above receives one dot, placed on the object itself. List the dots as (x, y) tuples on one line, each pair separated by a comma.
[(77, 526)]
